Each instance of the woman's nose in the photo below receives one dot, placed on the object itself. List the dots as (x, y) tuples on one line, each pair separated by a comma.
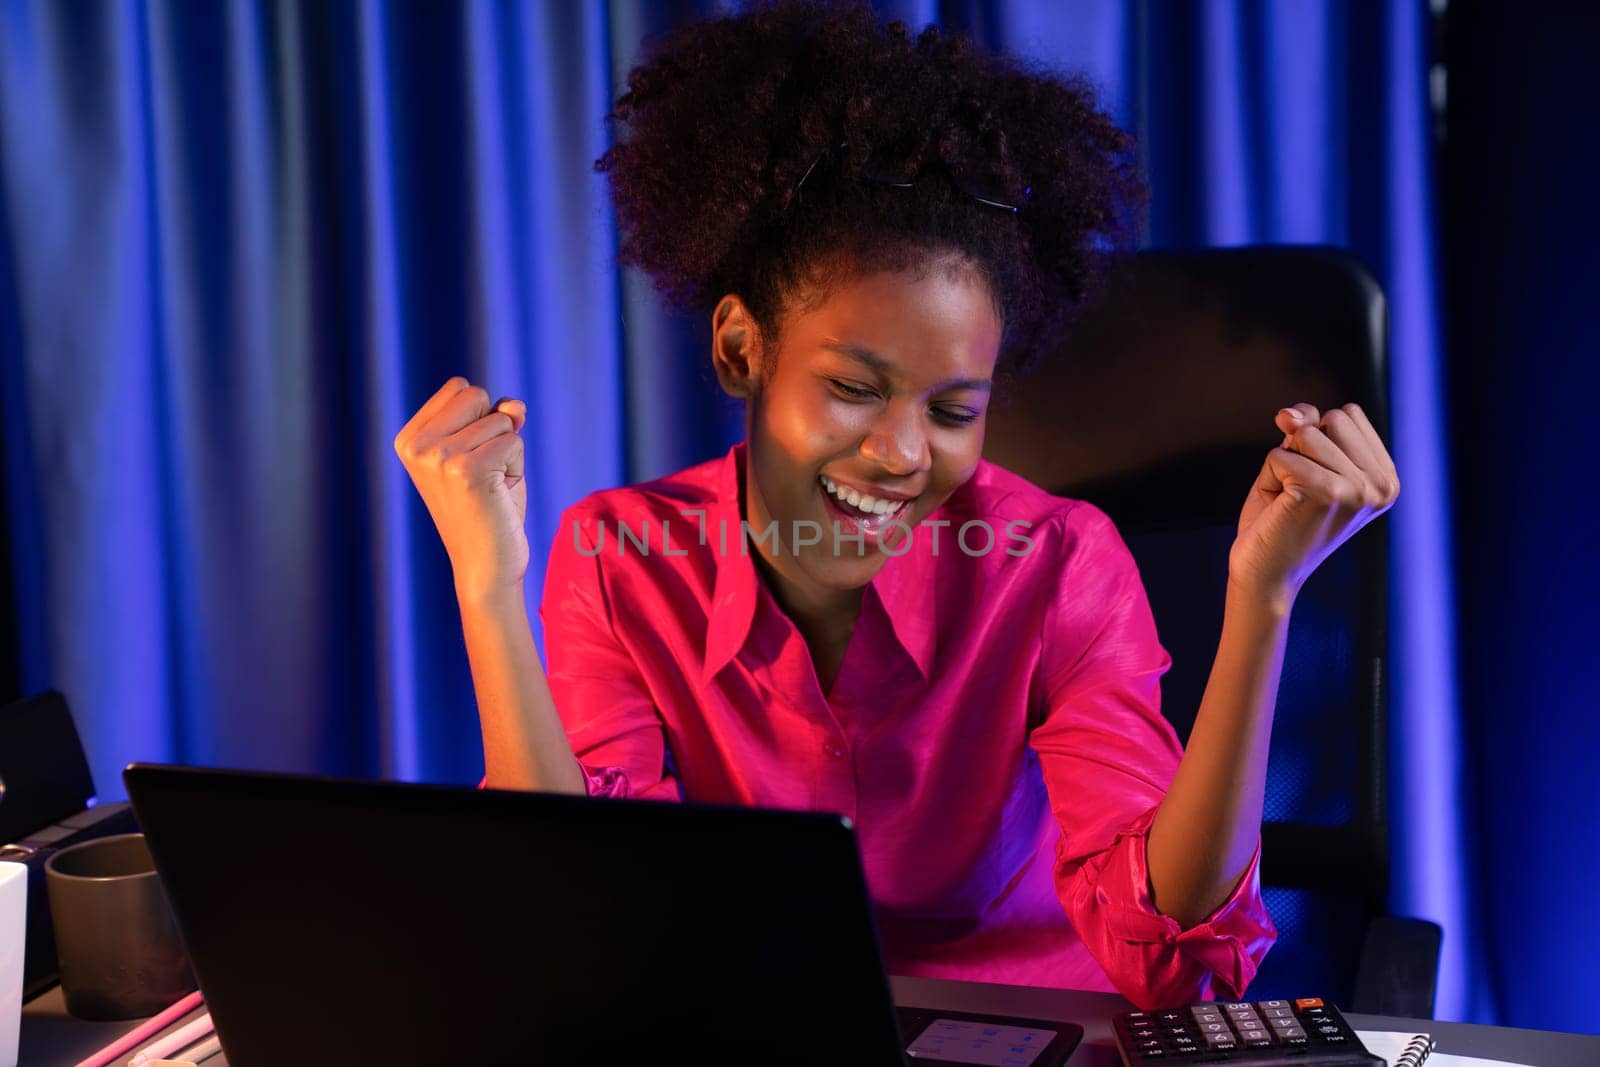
[(897, 444)]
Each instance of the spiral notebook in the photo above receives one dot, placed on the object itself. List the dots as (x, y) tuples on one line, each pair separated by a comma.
[(1414, 1050)]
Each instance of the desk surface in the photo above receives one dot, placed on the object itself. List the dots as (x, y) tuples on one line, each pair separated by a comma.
[(51, 1037), (1093, 1012)]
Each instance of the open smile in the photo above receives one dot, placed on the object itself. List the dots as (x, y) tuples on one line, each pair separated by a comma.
[(857, 511)]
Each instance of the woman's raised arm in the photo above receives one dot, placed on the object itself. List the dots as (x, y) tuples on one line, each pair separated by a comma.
[(465, 457)]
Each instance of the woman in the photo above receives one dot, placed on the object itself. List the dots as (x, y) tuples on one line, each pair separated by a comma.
[(851, 610)]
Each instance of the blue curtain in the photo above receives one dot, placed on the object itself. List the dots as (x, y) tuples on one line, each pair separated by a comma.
[(240, 243)]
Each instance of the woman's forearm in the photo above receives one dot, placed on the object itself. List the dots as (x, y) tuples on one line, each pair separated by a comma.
[(1206, 829), (524, 744)]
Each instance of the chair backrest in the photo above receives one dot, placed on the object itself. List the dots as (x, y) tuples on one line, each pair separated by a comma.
[(44, 775), (1159, 409)]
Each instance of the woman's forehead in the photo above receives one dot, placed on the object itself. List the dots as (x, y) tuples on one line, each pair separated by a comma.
[(939, 320)]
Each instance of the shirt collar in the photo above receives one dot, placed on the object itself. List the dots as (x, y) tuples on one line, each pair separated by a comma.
[(906, 590), (903, 588), (733, 595)]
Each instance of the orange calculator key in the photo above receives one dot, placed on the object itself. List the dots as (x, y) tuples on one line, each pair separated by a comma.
[(1308, 1002)]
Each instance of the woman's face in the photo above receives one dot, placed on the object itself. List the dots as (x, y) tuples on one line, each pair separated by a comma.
[(877, 396)]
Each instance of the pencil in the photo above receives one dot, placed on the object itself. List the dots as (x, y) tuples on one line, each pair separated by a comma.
[(179, 1038), (204, 1050)]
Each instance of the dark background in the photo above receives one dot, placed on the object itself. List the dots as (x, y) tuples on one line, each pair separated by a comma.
[(1521, 273)]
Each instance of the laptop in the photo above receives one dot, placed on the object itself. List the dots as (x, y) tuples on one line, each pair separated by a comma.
[(332, 921)]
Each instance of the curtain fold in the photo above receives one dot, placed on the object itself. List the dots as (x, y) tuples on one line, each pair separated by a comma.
[(241, 242)]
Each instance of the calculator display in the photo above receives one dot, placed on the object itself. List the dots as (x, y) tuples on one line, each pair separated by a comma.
[(962, 1041)]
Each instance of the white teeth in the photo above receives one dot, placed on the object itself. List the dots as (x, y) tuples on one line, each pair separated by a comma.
[(864, 501)]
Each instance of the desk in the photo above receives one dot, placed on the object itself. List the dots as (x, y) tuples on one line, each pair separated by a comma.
[(52, 1038), (1093, 1012)]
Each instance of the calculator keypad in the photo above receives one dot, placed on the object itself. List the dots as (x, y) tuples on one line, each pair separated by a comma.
[(1304, 1031)]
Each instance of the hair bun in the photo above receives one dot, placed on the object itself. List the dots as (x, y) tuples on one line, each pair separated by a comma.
[(725, 116)]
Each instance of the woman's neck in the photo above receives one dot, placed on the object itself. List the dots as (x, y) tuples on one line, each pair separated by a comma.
[(825, 621), (825, 617)]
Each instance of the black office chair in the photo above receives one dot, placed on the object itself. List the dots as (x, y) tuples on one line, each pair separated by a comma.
[(45, 793), (1159, 409)]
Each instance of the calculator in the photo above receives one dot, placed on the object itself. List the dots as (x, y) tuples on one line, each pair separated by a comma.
[(1307, 1032)]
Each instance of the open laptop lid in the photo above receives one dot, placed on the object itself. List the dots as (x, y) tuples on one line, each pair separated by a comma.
[(336, 921)]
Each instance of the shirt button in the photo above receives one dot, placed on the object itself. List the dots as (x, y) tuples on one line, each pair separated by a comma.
[(832, 749)]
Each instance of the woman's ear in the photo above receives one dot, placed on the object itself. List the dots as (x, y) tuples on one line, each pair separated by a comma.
[(736, 347)]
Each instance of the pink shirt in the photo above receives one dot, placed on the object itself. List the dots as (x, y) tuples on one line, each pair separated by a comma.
[(994, 730)]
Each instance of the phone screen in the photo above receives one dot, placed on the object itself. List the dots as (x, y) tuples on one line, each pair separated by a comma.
[(962, 1041)]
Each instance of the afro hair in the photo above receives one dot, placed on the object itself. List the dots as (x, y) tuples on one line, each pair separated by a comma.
[(776, 152)]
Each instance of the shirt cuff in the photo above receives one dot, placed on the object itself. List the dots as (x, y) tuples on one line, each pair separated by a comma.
[(1231, 942), (605, 782)]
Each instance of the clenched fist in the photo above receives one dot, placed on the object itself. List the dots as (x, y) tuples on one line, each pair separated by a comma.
[(465, 458), (1331, 476)]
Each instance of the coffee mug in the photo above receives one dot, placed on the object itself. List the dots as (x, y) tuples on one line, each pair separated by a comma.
[(120, 953)]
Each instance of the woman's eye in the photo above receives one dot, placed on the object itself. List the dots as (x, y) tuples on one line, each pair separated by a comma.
[(852, 391), (948, 416)]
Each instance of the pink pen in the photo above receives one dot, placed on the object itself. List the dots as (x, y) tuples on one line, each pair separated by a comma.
[(153, 1025)]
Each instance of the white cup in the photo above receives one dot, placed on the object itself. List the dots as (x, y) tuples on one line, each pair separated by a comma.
[(13, 934)]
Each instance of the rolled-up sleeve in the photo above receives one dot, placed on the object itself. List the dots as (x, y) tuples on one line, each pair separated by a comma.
[(612, 723), (1107, 757)]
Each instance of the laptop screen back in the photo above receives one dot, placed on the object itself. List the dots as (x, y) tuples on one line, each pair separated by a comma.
[(336, 921)]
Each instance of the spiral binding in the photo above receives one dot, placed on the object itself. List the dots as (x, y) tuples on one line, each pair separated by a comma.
[(1416, 1052)]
